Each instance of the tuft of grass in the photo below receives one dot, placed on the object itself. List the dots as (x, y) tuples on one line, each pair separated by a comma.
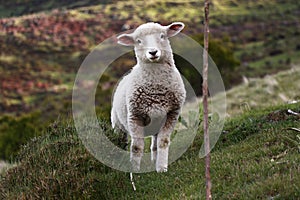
[(255, 158), (4, 166), (7, 59)]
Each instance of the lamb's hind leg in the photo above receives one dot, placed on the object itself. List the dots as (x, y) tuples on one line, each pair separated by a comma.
[(163, 141)]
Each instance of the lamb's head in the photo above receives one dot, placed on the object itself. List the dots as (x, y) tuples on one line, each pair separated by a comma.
[(150, 41)]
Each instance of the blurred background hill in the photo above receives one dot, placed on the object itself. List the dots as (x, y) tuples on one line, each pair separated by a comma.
[(44, 42)]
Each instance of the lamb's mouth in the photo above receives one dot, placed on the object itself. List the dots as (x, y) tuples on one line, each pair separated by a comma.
[(154, 58)]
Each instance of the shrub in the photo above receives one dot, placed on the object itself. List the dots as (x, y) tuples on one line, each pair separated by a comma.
[(221, 51), (15, 132)]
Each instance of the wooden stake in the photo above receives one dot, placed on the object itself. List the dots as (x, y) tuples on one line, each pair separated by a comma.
[(205, 103)]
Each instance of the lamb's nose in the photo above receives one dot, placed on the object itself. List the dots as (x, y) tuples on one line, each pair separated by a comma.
[(153, 52)]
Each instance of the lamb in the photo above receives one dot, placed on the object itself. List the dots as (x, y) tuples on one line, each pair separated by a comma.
[(148, 100)]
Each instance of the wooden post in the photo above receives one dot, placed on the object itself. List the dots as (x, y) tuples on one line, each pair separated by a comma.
[(205, 103)]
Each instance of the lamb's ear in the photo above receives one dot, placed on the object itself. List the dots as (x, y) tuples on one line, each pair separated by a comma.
[(174, 28), (125, 39)]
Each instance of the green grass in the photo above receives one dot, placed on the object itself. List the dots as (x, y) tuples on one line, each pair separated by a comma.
[(256, 158), (259, 93)]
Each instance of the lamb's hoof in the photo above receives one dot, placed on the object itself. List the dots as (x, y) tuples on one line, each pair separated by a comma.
[(162, 169)]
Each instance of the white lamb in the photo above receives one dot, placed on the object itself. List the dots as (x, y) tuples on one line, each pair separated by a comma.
[(148, 100)]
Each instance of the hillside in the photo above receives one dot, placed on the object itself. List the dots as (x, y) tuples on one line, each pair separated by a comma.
[(42, 46), (258, 93), (257, 157), (42, 52), (20, 7)]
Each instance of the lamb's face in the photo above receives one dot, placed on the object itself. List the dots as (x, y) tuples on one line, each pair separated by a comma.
[(151, 41), (152, 47)]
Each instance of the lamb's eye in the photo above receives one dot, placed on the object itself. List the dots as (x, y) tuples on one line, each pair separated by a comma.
[(139, 41), (162, 36)]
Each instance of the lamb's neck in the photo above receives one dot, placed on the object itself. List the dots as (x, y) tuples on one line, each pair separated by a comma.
[(155, 72), (165, 64)]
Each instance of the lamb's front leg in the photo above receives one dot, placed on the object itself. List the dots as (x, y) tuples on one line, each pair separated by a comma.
[(154, 148), (163, 141), (137, 144)]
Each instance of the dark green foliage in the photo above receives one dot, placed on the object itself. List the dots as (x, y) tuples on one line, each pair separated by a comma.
[(222, 53), (9, 8), (190, 73), (15, 132)]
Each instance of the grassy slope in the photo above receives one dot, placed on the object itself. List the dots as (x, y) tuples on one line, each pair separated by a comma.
[(261, 92), (256, 158)]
